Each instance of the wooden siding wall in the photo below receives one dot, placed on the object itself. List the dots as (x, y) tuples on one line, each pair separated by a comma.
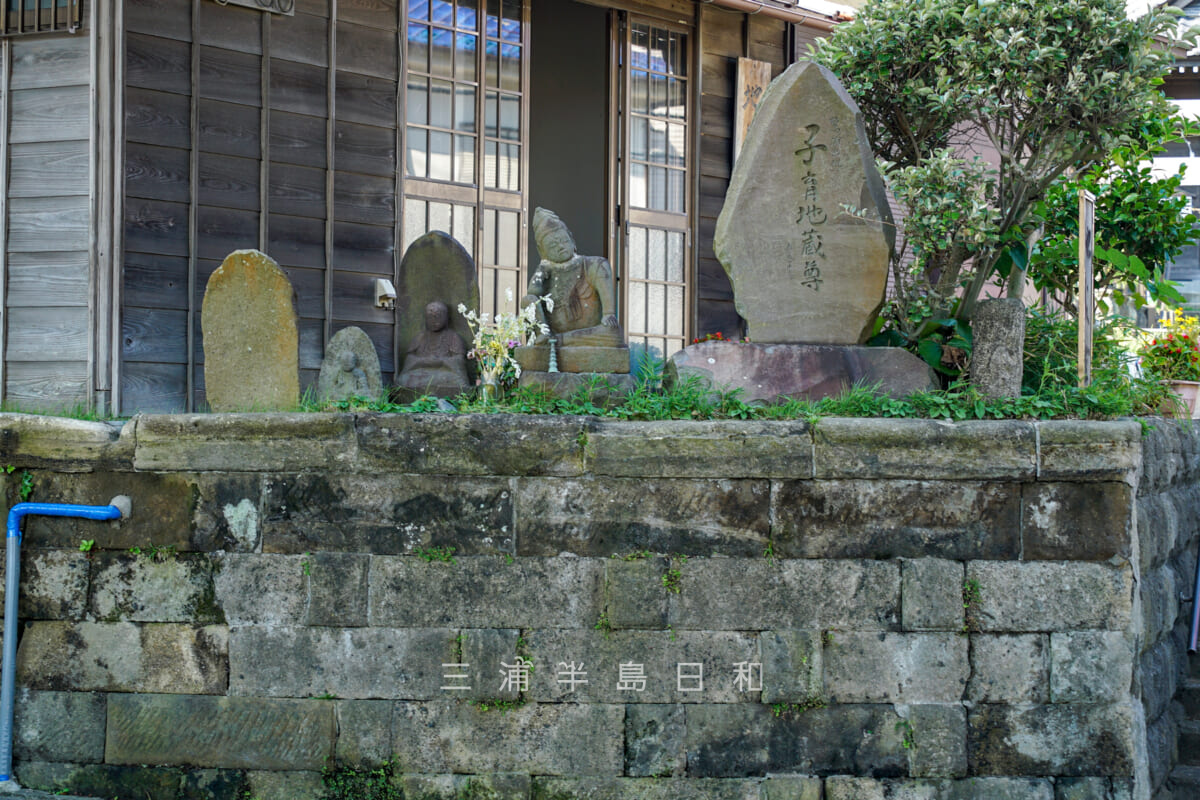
[(47, 240), (723, 40), (245, 129)]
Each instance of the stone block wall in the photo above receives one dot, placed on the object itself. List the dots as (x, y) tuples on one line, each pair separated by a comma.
[(853, 609)]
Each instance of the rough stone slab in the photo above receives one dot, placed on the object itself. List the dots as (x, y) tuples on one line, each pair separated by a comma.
[(387, 514), (700, 449), (229, 732), (142, 588), (160, 514), (654, 740), (1159, 675), (776, 373), (497, 786), (483, 651), (124, 657), (907, 518), (355, 663), (486, 592), (1157, 529), (757, 595), (100, 780), (212, 784), (602, 389), (1067, 740), (65, 445), (931, 595), (634, 593), (653, 789), (790, 787), (896, 667), (600, 517), (658, 653), (434, 267), (471, 444), (54, 585), (1160, 592), (1077, 521), (1075, 450), (939, 741), (59, 727), (850, 788), (742, 740), (1010, 668), (262, 589), (228, 513), (541, 739), (1088, 789), (1090, 666), (285, 785), (1052, 596), (896, 448), (337, 589), (792, 666), (364, 732), (579, 359), (997, 356), (277, 442)]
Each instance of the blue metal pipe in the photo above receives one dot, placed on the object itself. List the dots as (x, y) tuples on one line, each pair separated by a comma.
[(12, 578), (1195, 633)]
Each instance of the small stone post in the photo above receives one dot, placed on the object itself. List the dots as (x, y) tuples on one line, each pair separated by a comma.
[(997, 361)]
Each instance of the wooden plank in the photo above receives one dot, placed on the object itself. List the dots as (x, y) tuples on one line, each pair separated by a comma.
[(39, 63), (716, 116), (718, 75), (310, 292), (302, 38), (363, 248), (158, 335), (157, 118), (297, 241), (712, 282), (367, 51), (312, 344), (228, 181), (157, 227), (53, 386), (369, 100), (48, 169), (40, 280), (297, 191), (723, 32), (376, 13), (54, 114), (153, 388), (773, 54), (365, 149), (752, 81), (152, 62), (220, 231), (169, 18), (364, 198), (156, 173), (717, 315), (229, 27), (47, 224), (229, 128), (153, 281), (297, 139), (354, 298), (712, 195), (319, 8), (714, 156), (47, 334), (230, 76), (299, 88)]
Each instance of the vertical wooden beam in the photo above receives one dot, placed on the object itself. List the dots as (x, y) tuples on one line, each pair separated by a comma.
[(193, 209), (264, 137), (401, 120), (99, 277), (695, 122), (115, 238), (330, 133), (5, 121), (526, 150)]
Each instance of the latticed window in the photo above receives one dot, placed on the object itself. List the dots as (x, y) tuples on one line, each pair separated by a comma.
[(21, 17)]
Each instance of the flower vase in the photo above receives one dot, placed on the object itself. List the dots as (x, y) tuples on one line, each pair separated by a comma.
[(491, 390), (1186, 394)]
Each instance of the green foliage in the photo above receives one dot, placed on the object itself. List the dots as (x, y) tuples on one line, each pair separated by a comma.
[(604, 625), (905, 729), (971, 598), (503, 706), (343, 782), (431, 554), (673, 577), (791, 710), (86, 545), (1173, 355), (154, 552), (25, 490)]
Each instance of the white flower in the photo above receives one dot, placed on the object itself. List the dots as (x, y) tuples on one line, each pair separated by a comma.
[(508, 295), (462, 308), (549, 301)]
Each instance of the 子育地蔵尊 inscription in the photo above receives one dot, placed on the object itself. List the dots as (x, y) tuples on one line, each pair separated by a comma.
[(810, 214)]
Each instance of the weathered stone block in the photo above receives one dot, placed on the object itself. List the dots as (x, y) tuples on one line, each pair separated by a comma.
[(896, 667), (931, 595), (938, 738), (542, 739), (54, 585), (700, 449), (1077, 521), (1090, 666), (472, 444), (757, 595), (337, 589), (228, 513), (101, 780), (498, 786), (144, 588), (886, 519), (634, 593), (1084, 789), (59, 727), (1009, 668), (1159, 676), (790, 787), (1075, 450), (162, 507), (64, 445), (483, 652), (124, 657), (214, 784), (1044, 596), (599, 517), (654, 740), (347, 662), (486, 592), (1157, 527), (230, 732), (364, 732), (648, 789), (387, 514), (1162, 748), (888, 448), (667, 661), (740, 740), (792, 666), (255, 589), (285, 785), (1062, 740), (1160, 601), (276, 442), (848, 788)]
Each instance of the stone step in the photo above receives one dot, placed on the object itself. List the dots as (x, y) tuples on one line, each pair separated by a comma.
[(1189, 695), (1189, 743), (1185, 782)]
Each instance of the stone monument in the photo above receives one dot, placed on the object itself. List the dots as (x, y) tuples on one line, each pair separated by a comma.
[(350, 367), (806, 236), (251, 345), (587, 341), (436, 361)]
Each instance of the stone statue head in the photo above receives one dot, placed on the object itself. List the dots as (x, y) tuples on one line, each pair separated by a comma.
[(347, 361), (554, 240), (437, 316)]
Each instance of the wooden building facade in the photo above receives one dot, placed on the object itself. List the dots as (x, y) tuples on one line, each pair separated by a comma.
[(160, 135)]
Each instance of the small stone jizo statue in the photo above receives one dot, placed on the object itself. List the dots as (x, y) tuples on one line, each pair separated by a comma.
[(436, 361)]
